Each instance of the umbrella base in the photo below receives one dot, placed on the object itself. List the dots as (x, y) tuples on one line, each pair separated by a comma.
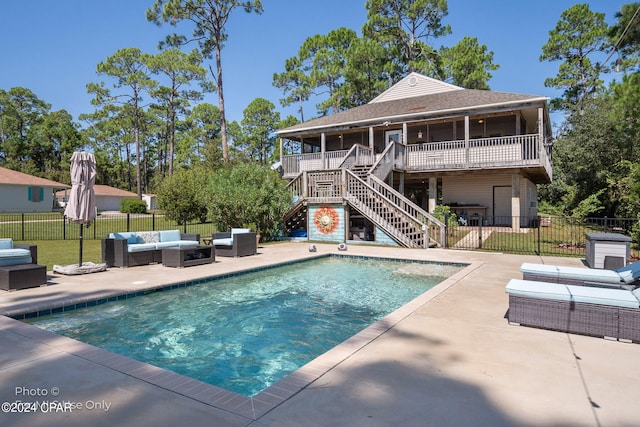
[(75, 269)]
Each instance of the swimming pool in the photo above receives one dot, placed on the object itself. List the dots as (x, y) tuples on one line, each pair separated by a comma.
[(246, 332)]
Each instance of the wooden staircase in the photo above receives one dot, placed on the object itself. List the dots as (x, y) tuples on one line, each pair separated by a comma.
[(401, 219)]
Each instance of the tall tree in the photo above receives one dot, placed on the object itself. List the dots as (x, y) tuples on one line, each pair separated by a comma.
[(405, 28), (209, 18), (259, 125), (181, 71), (324, 59), (129, 69), (365, 74), (625, 37), (578, 35), (294, 83), (20, 109), (468, 64)]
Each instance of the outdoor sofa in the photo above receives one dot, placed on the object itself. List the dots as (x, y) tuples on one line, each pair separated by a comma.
[(235, 243), (627, 277), (19, 267), (128, 249), (585, 310)]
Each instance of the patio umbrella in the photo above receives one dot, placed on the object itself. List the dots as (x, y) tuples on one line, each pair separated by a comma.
[(81, 207)]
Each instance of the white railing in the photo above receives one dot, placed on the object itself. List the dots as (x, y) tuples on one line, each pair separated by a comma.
[(505, 151), (296, 163), (436, 227), (357, 155), (517, 150)]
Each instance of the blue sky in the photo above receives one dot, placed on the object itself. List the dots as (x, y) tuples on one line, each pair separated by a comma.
[(53, 47)]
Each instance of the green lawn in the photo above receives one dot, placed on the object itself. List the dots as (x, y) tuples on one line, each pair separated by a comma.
[(64, 252)]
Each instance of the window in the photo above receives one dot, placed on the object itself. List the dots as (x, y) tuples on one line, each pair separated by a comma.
[(36, 194)]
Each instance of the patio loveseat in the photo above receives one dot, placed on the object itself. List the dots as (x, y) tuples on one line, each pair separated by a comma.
[(235, 243), (128, 249), (19, 267), (585, 310)]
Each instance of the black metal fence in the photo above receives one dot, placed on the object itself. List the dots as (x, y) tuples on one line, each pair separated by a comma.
[(53, 226), (541, 235)]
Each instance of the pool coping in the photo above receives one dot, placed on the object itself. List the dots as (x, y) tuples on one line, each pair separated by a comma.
[(249, 407)]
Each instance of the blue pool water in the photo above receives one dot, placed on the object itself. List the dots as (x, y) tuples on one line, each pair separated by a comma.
[(248, 331)]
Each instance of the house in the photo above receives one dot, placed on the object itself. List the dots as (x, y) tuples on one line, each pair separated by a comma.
[(107, 198), (151, 201), (24, 193), (376, 172)]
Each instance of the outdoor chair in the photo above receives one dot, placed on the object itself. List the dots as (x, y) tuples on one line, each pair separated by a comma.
[(627, 277), (235, 243)]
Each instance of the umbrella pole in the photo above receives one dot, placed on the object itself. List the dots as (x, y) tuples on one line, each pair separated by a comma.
[(80, 261)]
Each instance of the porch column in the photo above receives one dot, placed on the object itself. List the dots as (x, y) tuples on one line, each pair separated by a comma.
[(323, 148), (541, 154), (405, 133), (281, 150), (371, 142), (518, 124), (433, 194), (466, 139), (515, 202)]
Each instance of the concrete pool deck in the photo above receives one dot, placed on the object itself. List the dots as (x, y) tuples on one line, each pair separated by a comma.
[(448, 358)]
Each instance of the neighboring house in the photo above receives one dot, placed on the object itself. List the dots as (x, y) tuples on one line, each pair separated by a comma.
[(377, 171), (21, 192), (107, 198), (150, 200)]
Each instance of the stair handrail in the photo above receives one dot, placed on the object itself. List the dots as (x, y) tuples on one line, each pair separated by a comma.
[(353, 156), (417, 222), (385, 162), (406, 205)]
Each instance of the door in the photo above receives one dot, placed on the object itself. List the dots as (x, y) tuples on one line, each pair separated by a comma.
[(392, 135), (502, 205)]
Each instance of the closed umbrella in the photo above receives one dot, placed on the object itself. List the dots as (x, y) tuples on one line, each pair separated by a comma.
[(81, 207)]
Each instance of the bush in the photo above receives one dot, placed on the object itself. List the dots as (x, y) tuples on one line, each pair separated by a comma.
[(248, 195), (133, 205), (443, 213), (181, 196)]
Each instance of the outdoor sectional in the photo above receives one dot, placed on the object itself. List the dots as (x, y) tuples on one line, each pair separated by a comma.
[(235, 243), (585, 310), (128, 249)]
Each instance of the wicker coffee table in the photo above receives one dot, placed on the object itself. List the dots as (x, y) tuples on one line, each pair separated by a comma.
[(21, 276), (187, 256)]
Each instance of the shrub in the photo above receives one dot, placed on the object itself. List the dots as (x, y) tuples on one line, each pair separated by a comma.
[(180, 196), (133, 205), (248, 195)]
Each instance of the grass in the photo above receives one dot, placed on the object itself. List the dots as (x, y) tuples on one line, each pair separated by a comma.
[(65, 252)]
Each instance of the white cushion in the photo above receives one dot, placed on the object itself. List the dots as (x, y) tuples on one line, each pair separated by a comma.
[(223, 242), (539, 290), (240, 230)]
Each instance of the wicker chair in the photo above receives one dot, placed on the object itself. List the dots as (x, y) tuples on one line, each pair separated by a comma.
[(235, 243)]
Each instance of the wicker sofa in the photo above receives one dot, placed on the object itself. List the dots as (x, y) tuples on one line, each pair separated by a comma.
[(128, 249), (235, 243), (585, 310)]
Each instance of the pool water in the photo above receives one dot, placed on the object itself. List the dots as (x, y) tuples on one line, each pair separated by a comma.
[(248, 331)]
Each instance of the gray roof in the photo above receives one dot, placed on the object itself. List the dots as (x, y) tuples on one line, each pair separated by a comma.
[(436, 104)]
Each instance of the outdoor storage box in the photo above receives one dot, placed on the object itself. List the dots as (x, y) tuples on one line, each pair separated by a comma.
[(612, 246)]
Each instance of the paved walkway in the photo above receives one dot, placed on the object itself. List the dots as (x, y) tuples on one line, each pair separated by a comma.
[(447, 359)]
